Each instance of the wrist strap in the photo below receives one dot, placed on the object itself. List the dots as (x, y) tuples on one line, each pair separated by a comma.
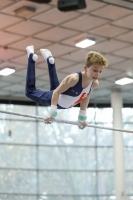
[(82, 112), (53, 113), (53, 107), (82, 118)]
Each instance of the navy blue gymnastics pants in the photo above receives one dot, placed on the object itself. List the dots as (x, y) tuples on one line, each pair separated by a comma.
[(40, 96)]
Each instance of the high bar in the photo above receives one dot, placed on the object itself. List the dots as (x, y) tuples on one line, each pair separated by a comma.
[(64, 121)]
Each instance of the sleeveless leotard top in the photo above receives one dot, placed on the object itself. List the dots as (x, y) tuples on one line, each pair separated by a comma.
[(74, 95)]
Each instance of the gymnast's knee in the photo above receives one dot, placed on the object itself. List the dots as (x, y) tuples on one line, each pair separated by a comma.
[(28, 92)]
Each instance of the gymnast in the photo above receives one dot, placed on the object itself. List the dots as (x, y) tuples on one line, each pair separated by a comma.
[(74, 89)]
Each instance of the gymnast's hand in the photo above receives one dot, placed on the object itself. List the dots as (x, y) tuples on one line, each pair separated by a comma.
[(52, 114), (49, 119), (82, 119), (82, 124)]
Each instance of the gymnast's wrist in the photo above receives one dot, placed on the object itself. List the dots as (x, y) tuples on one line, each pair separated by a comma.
[(53, 111), (82, 116)]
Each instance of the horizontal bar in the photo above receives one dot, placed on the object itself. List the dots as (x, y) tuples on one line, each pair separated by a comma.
[(65, 121), (55, 170), (56, 195), (59, 146)]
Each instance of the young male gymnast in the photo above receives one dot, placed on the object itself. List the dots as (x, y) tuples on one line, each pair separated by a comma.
[(74, 89)]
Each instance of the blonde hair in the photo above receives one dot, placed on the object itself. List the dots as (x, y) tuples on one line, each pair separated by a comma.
[(95, 57)]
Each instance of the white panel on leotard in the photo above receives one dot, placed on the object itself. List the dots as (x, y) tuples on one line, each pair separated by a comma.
[(66, 101)]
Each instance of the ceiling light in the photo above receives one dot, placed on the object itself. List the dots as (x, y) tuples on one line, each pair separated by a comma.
[(25, 11), (85, 43), (124, 81), (7, 71)]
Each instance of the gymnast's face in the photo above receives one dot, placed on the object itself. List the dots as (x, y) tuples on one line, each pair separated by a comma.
[(94, 71)]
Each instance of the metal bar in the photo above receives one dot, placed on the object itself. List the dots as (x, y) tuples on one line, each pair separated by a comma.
[(65, 121)]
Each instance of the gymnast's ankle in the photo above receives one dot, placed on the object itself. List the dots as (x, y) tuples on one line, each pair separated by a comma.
[(34, 57), (51, 60)]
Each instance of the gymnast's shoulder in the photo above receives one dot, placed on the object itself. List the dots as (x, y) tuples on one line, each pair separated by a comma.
[(71, 79)]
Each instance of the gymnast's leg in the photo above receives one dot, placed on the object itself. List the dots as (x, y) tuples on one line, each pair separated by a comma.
[(54, 82), (40, 96)]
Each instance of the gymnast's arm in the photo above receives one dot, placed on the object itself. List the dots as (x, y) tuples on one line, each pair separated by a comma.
[(83, 106)]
